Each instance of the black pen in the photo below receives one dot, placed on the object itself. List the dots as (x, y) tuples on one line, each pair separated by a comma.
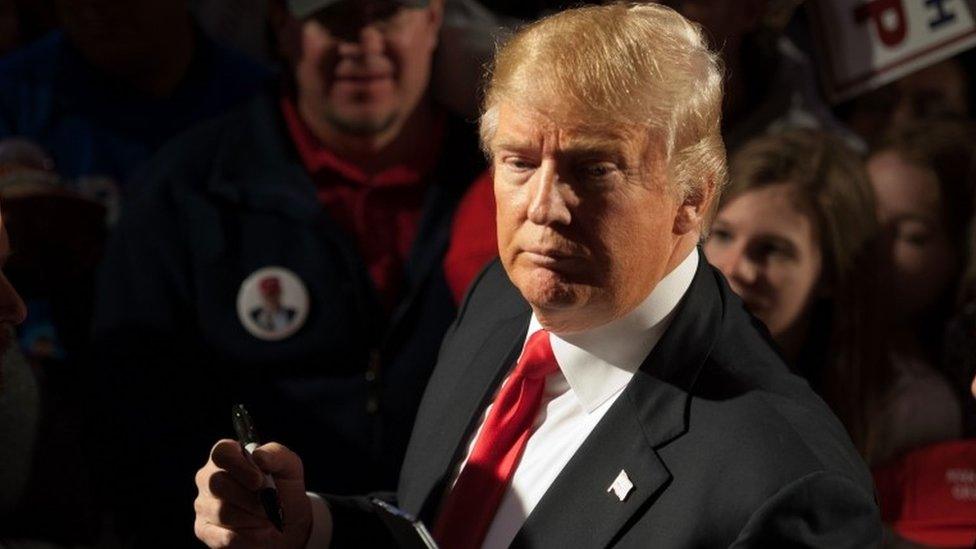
[(248, 438)]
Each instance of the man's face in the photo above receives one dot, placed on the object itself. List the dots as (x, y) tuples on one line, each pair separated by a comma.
[(585, 220), (12, 308), (364, 65)]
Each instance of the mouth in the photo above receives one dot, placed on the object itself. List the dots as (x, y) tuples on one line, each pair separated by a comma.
[(364, 78), (547, 257)]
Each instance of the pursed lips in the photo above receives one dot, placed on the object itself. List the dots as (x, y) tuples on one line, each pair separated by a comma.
[(547, 256)]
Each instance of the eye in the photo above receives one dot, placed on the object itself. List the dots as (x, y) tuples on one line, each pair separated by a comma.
[(720, 235), (777, 249), (913, 233), (596, 170), (518, 163)]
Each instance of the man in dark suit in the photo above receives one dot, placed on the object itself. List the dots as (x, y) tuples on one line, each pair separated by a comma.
[(601, 385)]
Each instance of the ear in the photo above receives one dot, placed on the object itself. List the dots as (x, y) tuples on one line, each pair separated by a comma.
[(694, 208), (435, 18)]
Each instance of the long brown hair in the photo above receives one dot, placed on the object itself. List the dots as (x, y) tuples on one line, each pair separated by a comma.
[(843, 354)]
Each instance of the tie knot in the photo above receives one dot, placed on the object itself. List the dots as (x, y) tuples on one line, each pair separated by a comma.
[(537, 360)]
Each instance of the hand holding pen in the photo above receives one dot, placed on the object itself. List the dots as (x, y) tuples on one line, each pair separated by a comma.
[(230, 512), (248, 439)]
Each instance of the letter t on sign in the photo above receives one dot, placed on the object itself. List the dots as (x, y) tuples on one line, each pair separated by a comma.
[(888, 17)]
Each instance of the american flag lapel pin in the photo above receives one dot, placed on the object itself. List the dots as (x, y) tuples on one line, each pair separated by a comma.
[(621, 486)]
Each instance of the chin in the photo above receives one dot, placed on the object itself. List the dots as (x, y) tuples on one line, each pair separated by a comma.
[(548, 290)]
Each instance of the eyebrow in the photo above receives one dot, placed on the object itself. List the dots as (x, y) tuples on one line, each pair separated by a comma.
[(922, 218), (576, 146)]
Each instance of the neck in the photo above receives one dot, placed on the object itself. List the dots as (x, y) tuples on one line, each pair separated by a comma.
[(375, 152)]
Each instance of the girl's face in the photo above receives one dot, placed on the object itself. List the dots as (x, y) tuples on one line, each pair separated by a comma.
[(923, 261), (770, 252)]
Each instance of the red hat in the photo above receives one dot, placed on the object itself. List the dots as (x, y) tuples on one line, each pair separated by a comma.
[(270, 286), (928, 496)]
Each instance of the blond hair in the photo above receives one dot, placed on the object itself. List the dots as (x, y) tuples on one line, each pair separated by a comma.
[(625, 66)]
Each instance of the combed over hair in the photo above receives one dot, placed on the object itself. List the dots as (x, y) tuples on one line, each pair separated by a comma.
[(621, 65)]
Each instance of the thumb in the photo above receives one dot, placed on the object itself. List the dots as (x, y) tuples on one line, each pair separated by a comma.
[(279, 461)]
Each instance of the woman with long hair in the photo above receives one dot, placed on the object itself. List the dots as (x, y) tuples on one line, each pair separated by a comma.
[(796, 236)]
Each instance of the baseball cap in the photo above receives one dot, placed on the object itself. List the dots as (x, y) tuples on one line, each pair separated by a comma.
[(928, 496), (303, 8)]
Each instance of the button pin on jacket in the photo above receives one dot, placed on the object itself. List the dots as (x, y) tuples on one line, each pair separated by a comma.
[(622, 486), (272, 303)]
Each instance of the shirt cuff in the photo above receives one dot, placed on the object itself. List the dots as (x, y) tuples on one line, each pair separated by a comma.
[(321, 535)]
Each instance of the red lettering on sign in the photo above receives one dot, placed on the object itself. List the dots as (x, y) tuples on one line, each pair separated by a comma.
[(894, 31)]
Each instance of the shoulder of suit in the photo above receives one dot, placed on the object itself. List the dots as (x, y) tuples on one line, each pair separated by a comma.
[(492, 296)]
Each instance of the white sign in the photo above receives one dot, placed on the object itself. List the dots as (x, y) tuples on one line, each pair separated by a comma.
[(868, 43)]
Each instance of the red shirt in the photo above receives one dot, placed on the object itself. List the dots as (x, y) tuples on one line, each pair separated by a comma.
[(473, 240), (381, 211)]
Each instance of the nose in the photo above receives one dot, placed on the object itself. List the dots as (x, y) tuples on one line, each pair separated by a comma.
[(547, 205), (368, 40), (12, 308), (742, 269), (734, 263)]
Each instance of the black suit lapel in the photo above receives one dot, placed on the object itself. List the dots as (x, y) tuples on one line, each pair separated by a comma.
[(460, 404), (577, 510)]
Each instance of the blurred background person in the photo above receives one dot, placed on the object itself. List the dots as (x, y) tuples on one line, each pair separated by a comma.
[(928, 494), (57, 235), (117, 79), (341, 185), (796, 237), (923, 177), (20, 423), (943, 89), (771, 85)]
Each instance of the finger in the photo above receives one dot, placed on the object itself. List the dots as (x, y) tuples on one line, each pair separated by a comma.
[(278, 460), (222, 486), (216, 536), (229, 456), (228, 515)]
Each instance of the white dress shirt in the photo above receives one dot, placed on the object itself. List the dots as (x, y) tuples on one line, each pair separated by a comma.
[(594, 367)]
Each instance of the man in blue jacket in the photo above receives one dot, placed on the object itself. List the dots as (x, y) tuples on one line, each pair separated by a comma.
[(341, 186)]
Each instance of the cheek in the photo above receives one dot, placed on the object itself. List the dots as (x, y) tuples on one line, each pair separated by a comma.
[(792, 288), (509, 213), (922, 262), (716, 255)]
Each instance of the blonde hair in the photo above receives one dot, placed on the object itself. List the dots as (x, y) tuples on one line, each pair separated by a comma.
[(626, 66)]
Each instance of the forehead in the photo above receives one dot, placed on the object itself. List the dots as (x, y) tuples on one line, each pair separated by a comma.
[(768, 210), (560, 129), (902, 187)]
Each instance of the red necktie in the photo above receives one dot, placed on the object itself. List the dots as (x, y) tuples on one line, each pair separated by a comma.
[(471, 505)]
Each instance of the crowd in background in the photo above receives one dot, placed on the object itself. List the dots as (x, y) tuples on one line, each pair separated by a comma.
[(198, 220)]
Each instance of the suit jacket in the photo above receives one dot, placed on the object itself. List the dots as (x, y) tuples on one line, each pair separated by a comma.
[(724, 445)]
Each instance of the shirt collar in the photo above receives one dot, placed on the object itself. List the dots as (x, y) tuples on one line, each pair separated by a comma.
[(601, 361), (317, 158)]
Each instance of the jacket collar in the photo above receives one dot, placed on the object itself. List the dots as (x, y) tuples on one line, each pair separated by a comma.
[(651, 412)]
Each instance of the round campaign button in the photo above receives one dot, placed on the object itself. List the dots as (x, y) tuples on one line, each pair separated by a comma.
[(272, 303)]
